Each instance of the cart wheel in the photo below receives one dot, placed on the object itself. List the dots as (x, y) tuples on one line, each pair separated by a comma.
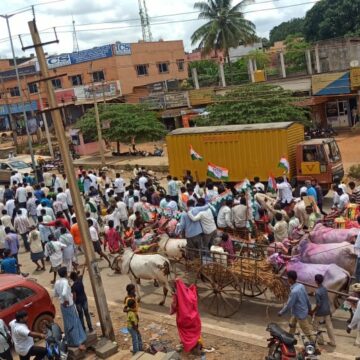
[(218, 290), (252, 289)]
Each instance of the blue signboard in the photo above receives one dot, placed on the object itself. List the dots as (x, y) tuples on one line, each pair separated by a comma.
[(122, 48), (18, 108), (23, 71), (100, 52)]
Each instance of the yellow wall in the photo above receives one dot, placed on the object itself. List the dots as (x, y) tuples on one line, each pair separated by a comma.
[(245, 153)]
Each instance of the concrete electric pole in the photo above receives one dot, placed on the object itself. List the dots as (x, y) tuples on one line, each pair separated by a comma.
[(94, 272)]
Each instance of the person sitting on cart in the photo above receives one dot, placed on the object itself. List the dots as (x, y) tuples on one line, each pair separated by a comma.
[(276, 246)]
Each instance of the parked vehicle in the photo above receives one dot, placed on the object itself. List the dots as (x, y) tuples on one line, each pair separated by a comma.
[(19, 293), (255, 150), (282, 345), (9, 165), (56, 345)]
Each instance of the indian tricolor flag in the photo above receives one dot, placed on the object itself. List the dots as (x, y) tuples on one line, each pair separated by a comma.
[(217, 172), (194, 155), (271, 185), (284, 164)]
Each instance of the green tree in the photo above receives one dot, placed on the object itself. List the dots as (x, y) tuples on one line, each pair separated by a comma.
[(128, 123), (286, 28), (255, 103), (226, 26), (332, 18), (295, 58), (262, 59), (207, 70)]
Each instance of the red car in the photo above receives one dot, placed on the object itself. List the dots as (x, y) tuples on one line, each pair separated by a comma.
[(18, 293)]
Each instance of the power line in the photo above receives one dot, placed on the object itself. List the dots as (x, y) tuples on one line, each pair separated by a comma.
[(170, 22)]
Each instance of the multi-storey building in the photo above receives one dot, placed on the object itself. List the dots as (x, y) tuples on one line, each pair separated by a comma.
[(111, 71)]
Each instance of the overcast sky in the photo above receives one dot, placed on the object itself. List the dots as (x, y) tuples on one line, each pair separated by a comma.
[(123, 21)]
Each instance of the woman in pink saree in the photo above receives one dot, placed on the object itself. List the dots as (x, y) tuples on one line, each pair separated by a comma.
[(188, 321)]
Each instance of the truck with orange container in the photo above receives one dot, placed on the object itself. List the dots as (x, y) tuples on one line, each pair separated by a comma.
[(253, 150)]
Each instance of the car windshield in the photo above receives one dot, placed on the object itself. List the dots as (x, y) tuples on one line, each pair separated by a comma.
[(332, 151), (18, 164)]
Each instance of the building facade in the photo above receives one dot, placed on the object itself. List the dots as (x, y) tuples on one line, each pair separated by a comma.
[(111, 71)]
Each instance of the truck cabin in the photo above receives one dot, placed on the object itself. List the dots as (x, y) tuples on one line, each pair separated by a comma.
[(319, 159)]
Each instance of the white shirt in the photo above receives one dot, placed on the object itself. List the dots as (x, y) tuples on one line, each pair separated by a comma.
[(343, 201), (93, 234), (122, 212), (131, 221), (47, 179), (206, 220), (259, 186), (68, 197), (119, 185), (20, 335), (93, 179), (224, 217), (56, 257), (285, 192), (6, 221), (21, 194), (2, 238), (303, 189), (10, 206), (239, 215), (142, 181), (61, 197), (56, 183), (62, 291)]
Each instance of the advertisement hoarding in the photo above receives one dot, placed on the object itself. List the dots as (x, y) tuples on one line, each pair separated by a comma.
[(100, 52)]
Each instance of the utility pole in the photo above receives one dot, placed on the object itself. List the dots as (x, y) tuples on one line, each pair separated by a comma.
[(94, 272), (11, 118), (48, 138), (97, 117), (7, 17)]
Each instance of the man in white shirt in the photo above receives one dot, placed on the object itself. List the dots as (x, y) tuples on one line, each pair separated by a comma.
[(21, 196), (119, 185), (259, 186), (5, 351), (74, 332), (284, 191), (344, 199), (55, 182), (6, 220), (62, 198), (224, 216), (122, 212), (23, 338), (240, 214), (16, 176), (69, 198), (10, 207), (96, 241), (142, 181)]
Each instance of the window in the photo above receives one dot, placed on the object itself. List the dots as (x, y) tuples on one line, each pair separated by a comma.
[(180, 64), (14, 295), (98, 76), (142, 70), (14, 91), (332, 151), (163, 67), (33, 89), (76, 80), (56, 83)]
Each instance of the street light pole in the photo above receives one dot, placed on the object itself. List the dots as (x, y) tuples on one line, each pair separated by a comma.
[(7, 17)]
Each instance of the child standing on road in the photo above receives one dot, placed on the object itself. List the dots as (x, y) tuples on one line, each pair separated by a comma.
[(131, 295), (133, 326)]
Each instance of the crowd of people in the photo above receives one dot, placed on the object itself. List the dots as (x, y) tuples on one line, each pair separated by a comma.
[(39, 216)]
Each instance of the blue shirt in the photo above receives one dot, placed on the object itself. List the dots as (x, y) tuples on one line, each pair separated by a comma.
[(298, 302), (9, 265), (191, 228), (39, 194), (322, 302), (312, 192)]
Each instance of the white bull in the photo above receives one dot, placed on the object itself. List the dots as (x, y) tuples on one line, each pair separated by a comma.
[(173, 249), (147, 267)]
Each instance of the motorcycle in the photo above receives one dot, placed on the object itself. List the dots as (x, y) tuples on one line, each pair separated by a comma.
[(282, 345), (56, 345)]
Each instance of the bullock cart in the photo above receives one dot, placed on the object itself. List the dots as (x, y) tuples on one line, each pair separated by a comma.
[(222, 280)]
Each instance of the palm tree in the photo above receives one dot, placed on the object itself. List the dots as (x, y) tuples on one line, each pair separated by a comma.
[(226, 27)]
